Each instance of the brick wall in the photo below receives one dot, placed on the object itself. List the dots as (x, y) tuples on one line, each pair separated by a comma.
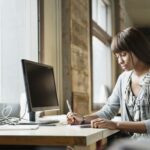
[(76, 54)]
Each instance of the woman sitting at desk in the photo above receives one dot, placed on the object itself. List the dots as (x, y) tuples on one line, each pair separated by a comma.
[(132, 90)]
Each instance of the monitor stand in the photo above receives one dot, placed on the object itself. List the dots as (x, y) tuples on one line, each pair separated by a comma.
[(32, 116), (42, 122)]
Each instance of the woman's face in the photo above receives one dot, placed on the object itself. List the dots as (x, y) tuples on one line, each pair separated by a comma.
[(126, 60)]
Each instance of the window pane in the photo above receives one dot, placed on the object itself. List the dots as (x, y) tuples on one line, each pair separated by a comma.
[(18, 39), (101, 69), (94, 10), (101, 13)]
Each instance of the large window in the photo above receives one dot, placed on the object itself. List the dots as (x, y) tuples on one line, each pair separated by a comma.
[(101, 54), (50, 40), (18, 39)]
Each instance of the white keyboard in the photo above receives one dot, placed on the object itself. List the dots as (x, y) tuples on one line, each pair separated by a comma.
[(48, 121), (52, 119), (18, 127)]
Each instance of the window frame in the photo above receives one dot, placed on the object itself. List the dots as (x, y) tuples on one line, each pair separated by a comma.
[(104, 37), (51, 52)]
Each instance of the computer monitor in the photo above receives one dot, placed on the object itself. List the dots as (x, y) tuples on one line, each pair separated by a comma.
[(40, 86)]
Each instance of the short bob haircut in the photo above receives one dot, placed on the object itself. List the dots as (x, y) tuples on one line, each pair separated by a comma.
[(132, 40)]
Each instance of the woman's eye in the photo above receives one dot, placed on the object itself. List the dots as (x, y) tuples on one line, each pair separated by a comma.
[(123, 54), (117, 55)]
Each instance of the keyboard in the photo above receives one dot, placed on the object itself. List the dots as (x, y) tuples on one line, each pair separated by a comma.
[(54, 119), (27, 123), (18, 127), (41, 123), (48, 121)]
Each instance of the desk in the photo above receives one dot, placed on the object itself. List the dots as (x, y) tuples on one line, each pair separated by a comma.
[(55, 135)]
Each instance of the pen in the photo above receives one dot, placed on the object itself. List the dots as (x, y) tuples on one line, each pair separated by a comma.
[(69, 107)]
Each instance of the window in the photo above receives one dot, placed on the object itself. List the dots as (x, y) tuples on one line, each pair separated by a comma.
[(101, 54), (18, 39), (50, 41)]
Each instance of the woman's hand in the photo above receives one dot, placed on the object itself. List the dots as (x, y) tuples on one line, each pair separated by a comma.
[(103, 123), (74, 119)]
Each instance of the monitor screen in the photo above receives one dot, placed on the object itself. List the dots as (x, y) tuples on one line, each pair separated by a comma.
[(40, 86)]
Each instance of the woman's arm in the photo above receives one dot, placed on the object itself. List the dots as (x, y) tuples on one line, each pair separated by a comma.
[(136, 127), (87, 119), (128, 126), (73, 118), (108, 111), (111, 108)]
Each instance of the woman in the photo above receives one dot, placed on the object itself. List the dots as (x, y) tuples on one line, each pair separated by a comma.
[(132, 90)]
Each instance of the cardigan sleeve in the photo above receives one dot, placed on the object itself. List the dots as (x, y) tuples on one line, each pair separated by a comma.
[(111, 108)]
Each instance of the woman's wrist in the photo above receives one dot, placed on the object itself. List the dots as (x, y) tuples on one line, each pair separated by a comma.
[(117, 125), (83, 120)]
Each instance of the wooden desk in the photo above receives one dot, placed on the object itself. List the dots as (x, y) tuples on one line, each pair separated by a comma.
[(55, 135)]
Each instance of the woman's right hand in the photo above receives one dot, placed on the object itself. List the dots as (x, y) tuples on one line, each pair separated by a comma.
[(74, 119)]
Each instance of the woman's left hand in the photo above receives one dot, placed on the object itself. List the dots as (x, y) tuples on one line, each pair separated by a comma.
[(103, 123)]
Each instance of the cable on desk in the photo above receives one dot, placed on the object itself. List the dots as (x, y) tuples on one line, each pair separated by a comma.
[(5, 119), (6, 111)]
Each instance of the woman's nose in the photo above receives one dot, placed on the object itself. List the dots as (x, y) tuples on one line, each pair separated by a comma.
[(120, 60)]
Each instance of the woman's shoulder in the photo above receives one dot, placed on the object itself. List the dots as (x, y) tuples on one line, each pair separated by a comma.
[(123, 79), (125, 75), (145, 79)]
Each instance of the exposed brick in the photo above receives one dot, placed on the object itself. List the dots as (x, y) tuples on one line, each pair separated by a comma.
[(79, 42), (80, 81), (80, 104), (79, 59), (79, 13), (76, 44)]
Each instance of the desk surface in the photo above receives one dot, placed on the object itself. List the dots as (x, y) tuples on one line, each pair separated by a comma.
[(54, 135)]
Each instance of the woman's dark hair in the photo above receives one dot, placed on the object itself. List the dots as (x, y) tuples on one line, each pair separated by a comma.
[(132, 40)]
